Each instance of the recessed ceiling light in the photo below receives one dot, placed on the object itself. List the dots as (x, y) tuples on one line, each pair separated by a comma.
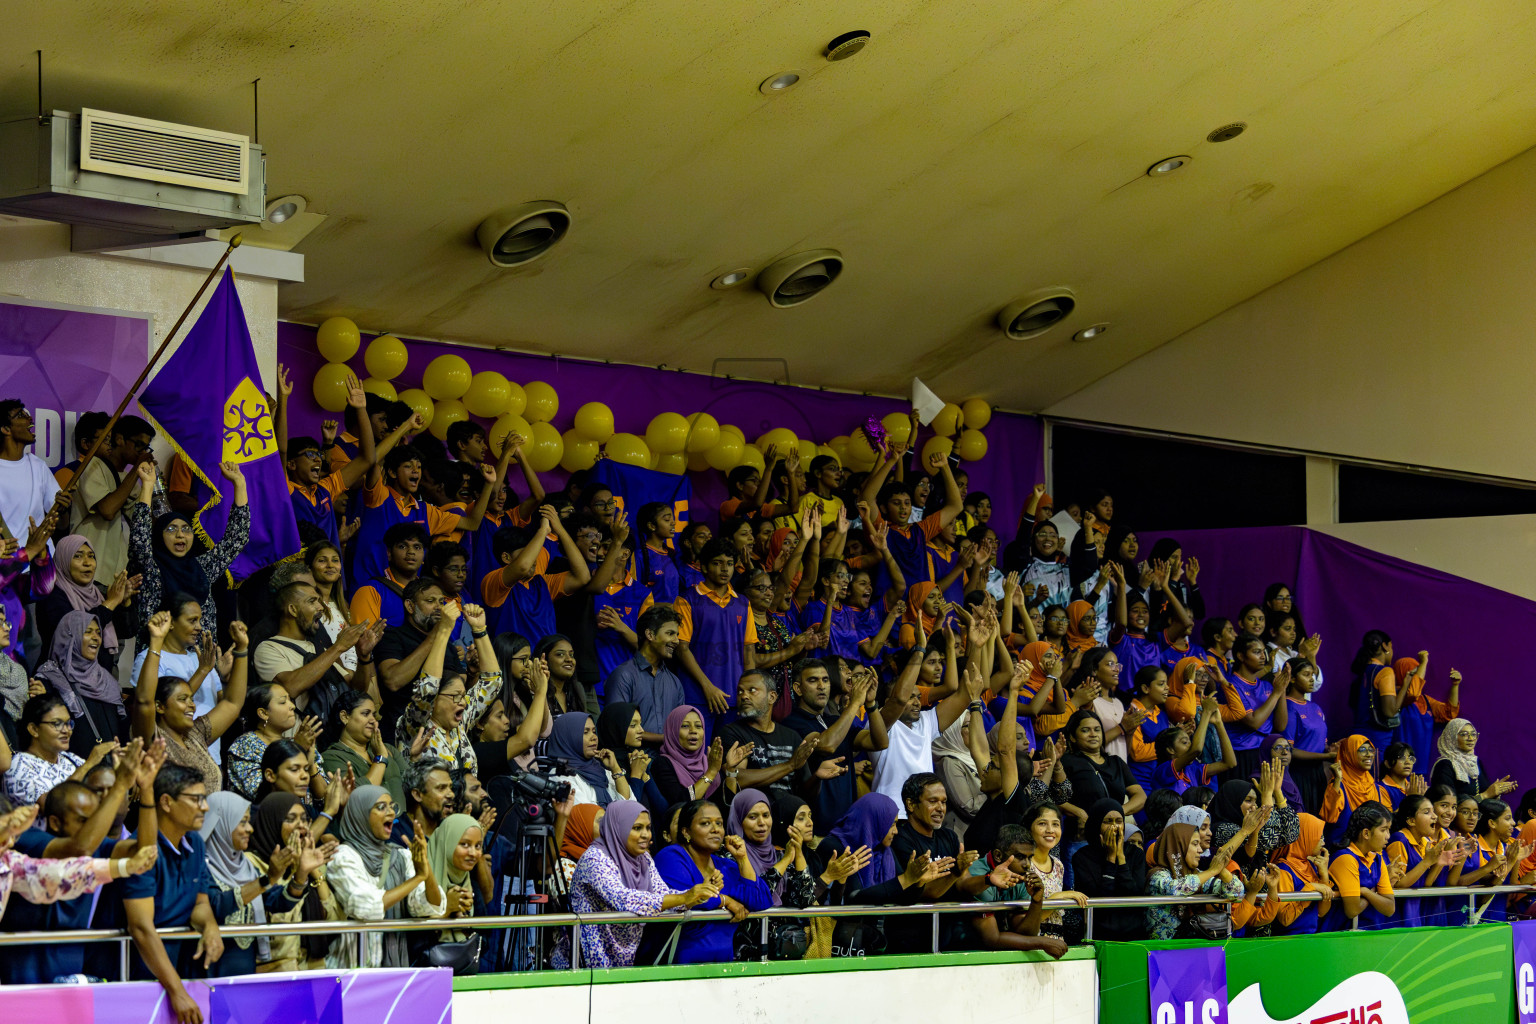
[(846, 45), (284, 208), (731, 279), (1167, 166), (1033, 316), (1227, 132), (775, 84), (1089, 333)]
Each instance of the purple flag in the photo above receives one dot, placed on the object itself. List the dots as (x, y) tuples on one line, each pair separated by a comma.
[(1188, 986), (207, 401), (1525, 970)]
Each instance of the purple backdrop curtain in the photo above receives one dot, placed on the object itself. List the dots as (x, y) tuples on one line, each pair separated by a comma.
[(1342, 590), (1013, 464)]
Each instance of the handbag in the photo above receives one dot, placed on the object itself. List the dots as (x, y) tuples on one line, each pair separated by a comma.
[(463, 957)]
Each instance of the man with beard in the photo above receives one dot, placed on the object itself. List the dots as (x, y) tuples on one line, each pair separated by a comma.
[(403, 651), (645, 680), (778, 753), (428, 799), (290, 656), (837, 739)]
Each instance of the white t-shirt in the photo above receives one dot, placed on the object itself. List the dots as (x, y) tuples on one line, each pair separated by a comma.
[(910, 752), (1111, 712), (27, 488)]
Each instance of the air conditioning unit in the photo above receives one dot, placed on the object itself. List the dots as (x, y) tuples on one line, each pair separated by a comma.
[(125, 182)]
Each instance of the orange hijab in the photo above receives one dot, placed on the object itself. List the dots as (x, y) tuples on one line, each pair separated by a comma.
[(775, 549), (1295, 854), (914, 616), (579, 833), (1076, 639), (1403, 668), (1359, 785), (1034, 653), (1528, 836)]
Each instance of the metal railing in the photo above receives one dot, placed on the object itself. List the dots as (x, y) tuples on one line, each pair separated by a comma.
[(575, 922)]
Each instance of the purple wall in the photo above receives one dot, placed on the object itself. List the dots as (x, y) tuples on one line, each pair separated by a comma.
[(1342, 590), (1013, 464)]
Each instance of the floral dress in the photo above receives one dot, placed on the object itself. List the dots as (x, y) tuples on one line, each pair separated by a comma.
[(48, 881), (453, 745), (596, 887), (773, 637), (1164, 922), (214, 562)]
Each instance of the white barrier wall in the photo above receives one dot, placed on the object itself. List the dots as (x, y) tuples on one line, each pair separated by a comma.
[(1004, 988)]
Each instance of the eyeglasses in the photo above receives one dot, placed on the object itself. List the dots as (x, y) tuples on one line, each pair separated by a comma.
[(183, 528), (603, 506), (138, 444), (197, 799), (308, 453), (457, 698), (60, 724)]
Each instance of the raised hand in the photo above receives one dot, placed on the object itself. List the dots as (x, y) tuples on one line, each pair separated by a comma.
[(474, 614), (284, 381), (735, 847), (737, 756), (328, 431), (830, 768), (804, 751), (231, 472), (308, 732), (143, 860), (421, 866), (419, 743), (845, 865), (357, 398)]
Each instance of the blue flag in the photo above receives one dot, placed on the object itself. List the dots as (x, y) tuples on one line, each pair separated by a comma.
[(634, 487), (208, 403)]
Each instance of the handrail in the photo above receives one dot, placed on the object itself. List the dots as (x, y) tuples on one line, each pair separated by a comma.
[(563, 920)]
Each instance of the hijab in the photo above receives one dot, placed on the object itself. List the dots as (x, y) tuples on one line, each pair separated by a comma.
[(634, 869), (866, 824), (920, 621), (71, 674), (83, 597), (1077, 640), (1172, 847), (689, 767), (613, 728), (228, 866), (1227, 808), (1034, 653), (1188, 814), (762, 855), (1097, 812), (1463, 763), (352, 829), (951, 744), (1404, 668), (1287, 784), (182, 575), (580, 831), (565, 743), (267, 820), (1294, 855), (1183, 675), (785, 807), (1360, 785), (444, 842)]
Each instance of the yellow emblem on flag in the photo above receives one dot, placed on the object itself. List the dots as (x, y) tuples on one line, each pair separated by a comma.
[(248, 431)]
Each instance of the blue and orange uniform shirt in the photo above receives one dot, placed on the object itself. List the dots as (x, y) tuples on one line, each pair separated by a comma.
[(1354, 871), (383, 507), (1142, 739), (526, 607), (317, 504), (718, 630)]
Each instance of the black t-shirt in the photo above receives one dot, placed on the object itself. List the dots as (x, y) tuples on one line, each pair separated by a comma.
[(997, 811), (492, 758), (1092, 781), (836, 795), (943, 843), (768, 749), (397, 644)]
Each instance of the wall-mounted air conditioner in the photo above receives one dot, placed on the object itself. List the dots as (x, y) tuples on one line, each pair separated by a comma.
[(126, 181)]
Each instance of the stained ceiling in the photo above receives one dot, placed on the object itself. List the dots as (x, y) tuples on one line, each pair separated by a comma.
[(973, 153)]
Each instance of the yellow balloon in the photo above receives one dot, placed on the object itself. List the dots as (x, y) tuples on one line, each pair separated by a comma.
[(672, 462), (898, 427), (445, 414), (781, 439), (331, 386), (703, 432), (382, 388), (337, 339), (545, 448), (859, 455), (807, 452), (420, 401), (977, 413), (839, 446), (942, 445), (628, 449), (698, 462), (947, 422), (726, 454), (488, 394), (823, 449), (447, 377), (386, 357), (667, 433), (750, 456), (972, 445), (734, 431), (507, 423), (580, 452), (517, 399), (594, 421), (543, 403)]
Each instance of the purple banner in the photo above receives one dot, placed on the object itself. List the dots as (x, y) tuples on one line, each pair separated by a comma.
[(1525, 970), (64, 362), (418, 995), (1013, 465), (1187, 986), (1342, 590)]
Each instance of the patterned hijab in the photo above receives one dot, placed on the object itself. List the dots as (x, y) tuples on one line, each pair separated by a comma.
[(1463, 763)]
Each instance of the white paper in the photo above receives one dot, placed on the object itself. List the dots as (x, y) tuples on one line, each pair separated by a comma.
[(1067, 527)]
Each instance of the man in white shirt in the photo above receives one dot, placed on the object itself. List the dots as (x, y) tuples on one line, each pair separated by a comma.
[(27, 486), (106, 488), (910, 750)]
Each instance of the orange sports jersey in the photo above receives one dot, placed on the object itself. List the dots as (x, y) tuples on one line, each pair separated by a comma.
[(1345, 872), (440, 522), (495, 589)]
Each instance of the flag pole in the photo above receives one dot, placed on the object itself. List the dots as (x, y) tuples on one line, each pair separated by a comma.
[(106, 431)]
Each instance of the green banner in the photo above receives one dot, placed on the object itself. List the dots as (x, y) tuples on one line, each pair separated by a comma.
[(1418, 975)]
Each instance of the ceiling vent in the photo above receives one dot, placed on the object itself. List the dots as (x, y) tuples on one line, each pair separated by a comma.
[(847, 44), (794, 279), (523, 233), (126, 182), (1032, 317)]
